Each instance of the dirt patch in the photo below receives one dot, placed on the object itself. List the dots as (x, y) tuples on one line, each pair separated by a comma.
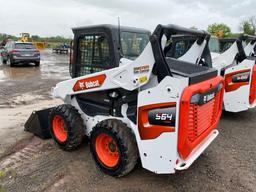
[(26, 84), (32, 165), (12, 123)]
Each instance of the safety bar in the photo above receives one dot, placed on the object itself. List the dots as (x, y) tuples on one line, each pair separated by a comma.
[(227, 40), (245, 37), (241, 54), (170, 30), (161, 67)]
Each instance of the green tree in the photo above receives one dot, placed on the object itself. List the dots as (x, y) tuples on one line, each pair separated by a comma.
[(5, 36), (219, 29), (248, 26), (35, 37)]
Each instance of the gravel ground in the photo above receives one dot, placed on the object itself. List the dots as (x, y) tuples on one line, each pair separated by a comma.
[(31, 164)]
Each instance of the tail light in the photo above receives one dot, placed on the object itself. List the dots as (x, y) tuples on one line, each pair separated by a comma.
[(37, 52), (200, 111), (237, 79), (252, 97), (156, 119), (14, 51)]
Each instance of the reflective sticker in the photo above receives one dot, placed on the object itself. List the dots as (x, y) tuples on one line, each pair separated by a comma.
[(143, 79), (136, 70), (142, 69)]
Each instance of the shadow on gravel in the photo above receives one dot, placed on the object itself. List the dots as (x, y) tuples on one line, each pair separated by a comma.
[(245, 115), (20, 65)]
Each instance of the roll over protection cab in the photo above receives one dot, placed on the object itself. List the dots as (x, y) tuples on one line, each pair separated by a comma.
[(134, 102)]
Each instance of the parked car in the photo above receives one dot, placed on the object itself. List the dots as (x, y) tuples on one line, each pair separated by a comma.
[(63, 48), (1, 50), (20, 52)]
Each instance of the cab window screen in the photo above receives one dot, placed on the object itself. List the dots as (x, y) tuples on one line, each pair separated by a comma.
[(214, 45), (133, 44), (180, 48), (225, 46), (93, 54)]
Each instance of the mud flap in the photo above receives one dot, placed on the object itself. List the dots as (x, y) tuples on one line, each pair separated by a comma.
[(37, 123)]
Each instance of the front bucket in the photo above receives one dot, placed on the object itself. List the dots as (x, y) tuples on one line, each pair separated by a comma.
[(37, 123)]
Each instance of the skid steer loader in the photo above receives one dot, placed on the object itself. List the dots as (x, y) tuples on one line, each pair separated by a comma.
[(239, 71), (134, 103), (248, 42), (229, 58)]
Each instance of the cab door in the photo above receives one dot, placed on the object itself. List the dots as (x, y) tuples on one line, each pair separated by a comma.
[(93, 54)]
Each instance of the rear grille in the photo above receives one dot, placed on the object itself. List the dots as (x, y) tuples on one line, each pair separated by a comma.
[(197, 119), (202, 117), (252, 97)]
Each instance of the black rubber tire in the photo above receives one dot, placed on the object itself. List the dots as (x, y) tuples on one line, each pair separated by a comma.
[(37, 63), (11, 62), (125, 141), (8, 62), (4, 61), (73, 124)]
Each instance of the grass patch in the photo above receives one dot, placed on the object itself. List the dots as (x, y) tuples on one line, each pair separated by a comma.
[(12, 172), (2, 174), (2, 189)]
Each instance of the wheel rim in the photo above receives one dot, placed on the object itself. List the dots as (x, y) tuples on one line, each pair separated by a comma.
[(107, 150), (59, 131)]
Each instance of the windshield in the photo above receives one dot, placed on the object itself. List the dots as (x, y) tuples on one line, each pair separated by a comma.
[(214, 45), (24, 46), (133, 44)]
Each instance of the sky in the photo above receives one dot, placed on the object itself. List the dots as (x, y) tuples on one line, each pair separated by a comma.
[(57, 17)]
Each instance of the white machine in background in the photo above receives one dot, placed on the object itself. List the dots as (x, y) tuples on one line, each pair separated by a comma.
[(229, 58), (239, 71)]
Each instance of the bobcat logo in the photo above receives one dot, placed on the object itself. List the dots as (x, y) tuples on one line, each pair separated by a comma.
[(89, 83), (208, 97)]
